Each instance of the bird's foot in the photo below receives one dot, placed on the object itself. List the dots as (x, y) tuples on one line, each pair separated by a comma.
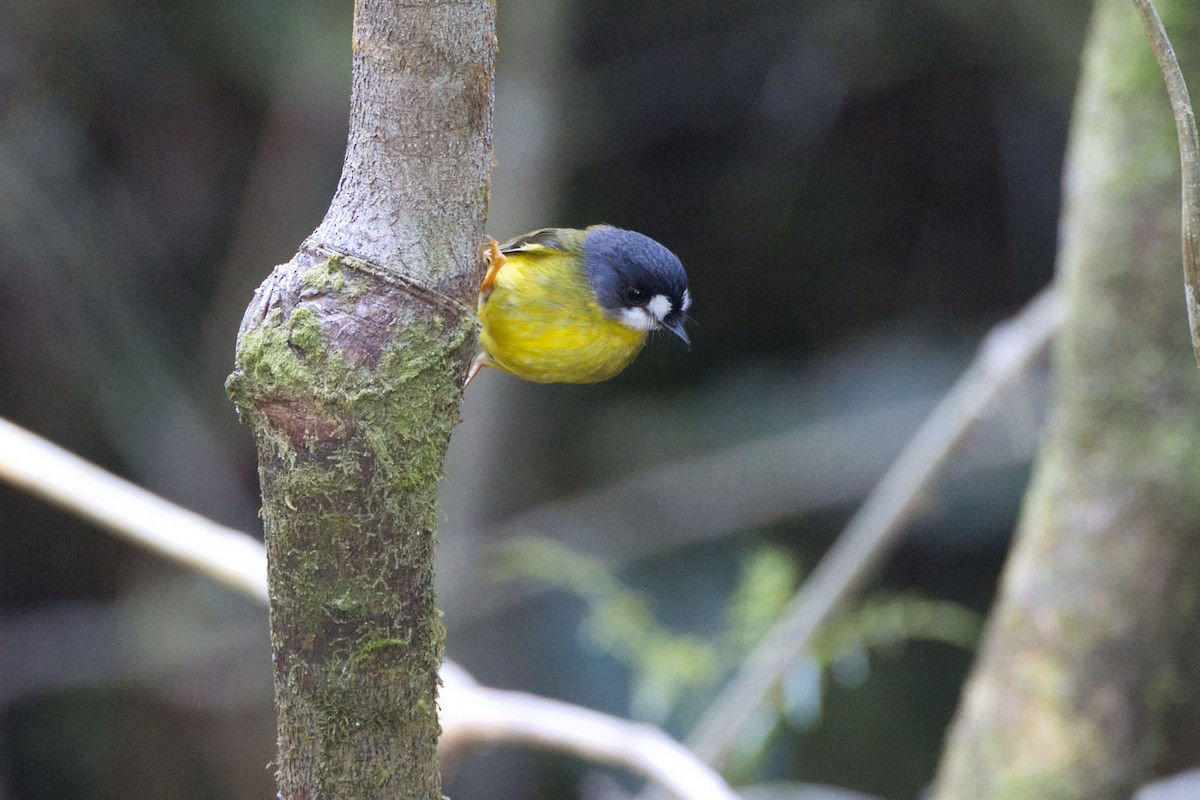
[(495, 260), (479, 363)]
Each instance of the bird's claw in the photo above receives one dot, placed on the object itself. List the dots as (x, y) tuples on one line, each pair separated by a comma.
[(495, 260)]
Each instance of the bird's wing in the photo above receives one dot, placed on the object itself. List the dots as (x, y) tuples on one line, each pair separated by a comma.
[(544, 239)]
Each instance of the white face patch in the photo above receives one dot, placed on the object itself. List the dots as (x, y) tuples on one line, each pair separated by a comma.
[(638, 319), (659, 306), (650, 316)]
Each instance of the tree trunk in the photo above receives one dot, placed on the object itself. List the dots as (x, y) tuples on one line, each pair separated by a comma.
[(1080, 667), (350, 363)]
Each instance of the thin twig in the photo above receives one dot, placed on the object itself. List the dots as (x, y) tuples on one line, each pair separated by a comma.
[(471, 713), (1189, 159), (133, 513), (1005, 354)]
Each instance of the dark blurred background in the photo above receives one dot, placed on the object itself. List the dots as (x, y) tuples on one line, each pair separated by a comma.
[(858, 191)]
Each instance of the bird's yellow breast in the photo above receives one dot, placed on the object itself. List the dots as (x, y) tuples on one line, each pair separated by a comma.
[(541, 323)]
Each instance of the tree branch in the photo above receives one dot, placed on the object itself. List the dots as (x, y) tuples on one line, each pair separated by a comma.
[(350, 363), (1083, 662), (474, 714), (43, 468), (1189, 158)]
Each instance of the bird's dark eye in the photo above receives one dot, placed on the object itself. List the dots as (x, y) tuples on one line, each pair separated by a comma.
[(636, 297)]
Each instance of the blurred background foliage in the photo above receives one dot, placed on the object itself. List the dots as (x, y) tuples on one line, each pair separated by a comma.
[(858, 191)]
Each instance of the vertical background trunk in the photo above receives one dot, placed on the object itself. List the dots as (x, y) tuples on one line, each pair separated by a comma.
[(350, 363), (1081, 665)]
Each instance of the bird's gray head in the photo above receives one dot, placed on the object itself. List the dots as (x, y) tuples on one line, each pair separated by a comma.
[(636, 280)]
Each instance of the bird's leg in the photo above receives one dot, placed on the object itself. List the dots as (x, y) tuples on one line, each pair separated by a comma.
[(479, 363), (495, 260)]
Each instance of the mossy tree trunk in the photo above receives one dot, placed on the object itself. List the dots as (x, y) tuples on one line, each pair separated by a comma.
[(350, 363), (1081, 667)]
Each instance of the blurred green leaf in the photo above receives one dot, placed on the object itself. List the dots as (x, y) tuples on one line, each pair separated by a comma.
[(665, 666)]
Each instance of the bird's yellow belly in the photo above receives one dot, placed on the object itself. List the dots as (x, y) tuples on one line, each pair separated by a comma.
[(542, 327)]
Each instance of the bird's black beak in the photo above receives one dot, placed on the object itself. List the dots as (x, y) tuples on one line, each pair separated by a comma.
[(676, 327)]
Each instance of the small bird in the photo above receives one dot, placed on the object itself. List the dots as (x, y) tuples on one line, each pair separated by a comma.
[(561, 305)]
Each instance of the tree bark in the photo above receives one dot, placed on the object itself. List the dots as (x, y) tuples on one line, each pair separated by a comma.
[(1081, 664), (350, 363)]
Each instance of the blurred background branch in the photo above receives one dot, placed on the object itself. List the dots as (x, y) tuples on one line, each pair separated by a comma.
[(1189, 158), (1085, 685), (472, 714), (1005, 356), (129, 511)]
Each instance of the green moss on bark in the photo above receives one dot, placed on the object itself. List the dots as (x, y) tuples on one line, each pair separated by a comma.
[(351, 445), (327, 275)]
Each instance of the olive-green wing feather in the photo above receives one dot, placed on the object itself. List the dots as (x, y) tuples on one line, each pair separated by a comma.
[(559, 239)]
